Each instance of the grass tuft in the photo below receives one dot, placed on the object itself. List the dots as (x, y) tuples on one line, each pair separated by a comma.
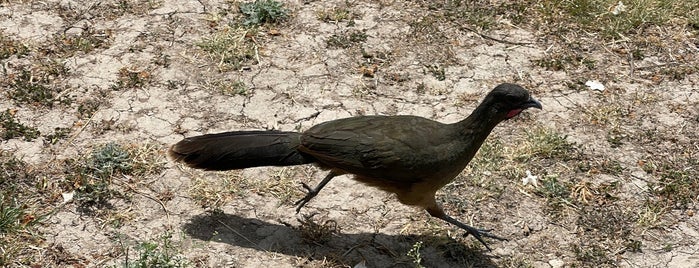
[(11, 213), (215, 193), (89, 39), (231, 48), (545, 143)]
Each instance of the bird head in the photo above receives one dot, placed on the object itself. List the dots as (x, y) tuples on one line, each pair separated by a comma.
[(507, 101)]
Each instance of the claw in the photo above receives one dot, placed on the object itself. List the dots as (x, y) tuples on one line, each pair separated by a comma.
[(305, 186), (312, 192), (480, 233), (309, 195)]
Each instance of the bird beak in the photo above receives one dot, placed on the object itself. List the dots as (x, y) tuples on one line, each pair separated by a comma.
[(532, 103)]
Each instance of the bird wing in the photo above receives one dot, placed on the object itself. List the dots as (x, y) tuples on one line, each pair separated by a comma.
[(400, 148)]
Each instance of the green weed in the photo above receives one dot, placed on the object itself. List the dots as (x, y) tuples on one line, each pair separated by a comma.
[(678, 181), (11, 128), (36, 87), (263, 11), (161, 253)]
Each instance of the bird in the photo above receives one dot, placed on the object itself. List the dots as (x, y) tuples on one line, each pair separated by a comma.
[(410, 156)]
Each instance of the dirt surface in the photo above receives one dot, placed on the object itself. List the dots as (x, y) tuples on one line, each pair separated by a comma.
[(151, 82)]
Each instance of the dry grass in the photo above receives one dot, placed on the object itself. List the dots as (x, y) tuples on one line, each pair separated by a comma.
[(214, 193)]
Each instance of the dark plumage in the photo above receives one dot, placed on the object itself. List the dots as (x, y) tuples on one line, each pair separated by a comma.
[(410, 156)]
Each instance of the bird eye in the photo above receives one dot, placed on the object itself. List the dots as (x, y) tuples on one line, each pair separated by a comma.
[(512, 98)]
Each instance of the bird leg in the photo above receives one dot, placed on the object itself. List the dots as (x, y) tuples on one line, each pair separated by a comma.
[(312, 192), (437, 212)]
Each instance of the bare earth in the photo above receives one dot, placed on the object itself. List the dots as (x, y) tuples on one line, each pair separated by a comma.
[(294, 79)]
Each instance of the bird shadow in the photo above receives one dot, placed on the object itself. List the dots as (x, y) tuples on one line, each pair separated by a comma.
[(375, 249)]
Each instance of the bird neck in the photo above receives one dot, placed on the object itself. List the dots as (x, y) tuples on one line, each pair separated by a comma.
[(472, 132), (479, 124)]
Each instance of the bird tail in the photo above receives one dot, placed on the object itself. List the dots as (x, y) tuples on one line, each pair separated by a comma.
[(240, 149)]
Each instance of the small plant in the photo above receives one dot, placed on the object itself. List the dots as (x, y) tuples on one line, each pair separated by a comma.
[(346, 39), (650, 215), (561, 62), (23, 89), (20, 199), (128, 78), (609, 220), (110, 159), (86, 41), (93, 176), (59, 133), (556, 193), (437, 71), (146, 159), (230, 88), (88, 107), (11, 128), (263, 11), (414, 254), (678, 182), (9, 47), (161, 253), (554, 189), (34, 88), (592, 256), (634, 245), (335, 15), (475, 13)]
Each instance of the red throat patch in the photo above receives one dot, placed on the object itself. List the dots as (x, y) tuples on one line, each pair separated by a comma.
[(514, 112)]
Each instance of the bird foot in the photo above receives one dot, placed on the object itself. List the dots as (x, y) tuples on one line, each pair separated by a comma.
[(310, 193), (484, 232), (480, 233)]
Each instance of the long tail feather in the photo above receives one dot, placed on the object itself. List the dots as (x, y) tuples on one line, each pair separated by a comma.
[(240, 149)]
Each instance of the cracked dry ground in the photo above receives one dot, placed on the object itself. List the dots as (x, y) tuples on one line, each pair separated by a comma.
[(611, 165)]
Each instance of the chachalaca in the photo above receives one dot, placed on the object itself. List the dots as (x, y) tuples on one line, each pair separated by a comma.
[(409, 156)]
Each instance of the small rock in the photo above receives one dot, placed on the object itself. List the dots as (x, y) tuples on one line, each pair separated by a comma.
[(556, 263), (595, 85)]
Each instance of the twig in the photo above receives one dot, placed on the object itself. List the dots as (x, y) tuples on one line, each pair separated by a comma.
[(462, 27), (167, 214), (241, 235), (82, 128)]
